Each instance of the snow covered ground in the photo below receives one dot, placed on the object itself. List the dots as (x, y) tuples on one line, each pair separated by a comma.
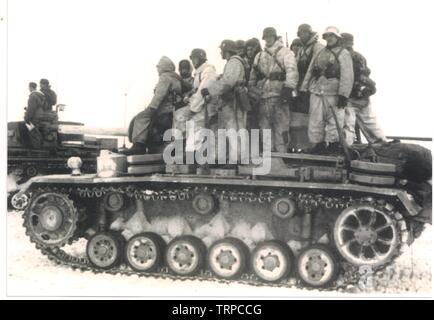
[(32, 274)]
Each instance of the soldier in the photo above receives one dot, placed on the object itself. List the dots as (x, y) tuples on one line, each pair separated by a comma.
[(275, 73), (241, 46), (231, 113), (50, 95), (204, 76), (329, 80), (33, 115), (359, 108), (295, 46), (310, 48), (253, 47), (185, 71), (159, 111)]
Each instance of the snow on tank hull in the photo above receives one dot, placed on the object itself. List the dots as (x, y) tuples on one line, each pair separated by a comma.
[(312, 221)]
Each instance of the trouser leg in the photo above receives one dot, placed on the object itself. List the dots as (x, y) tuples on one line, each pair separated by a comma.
[(349, 124), (281, 119), (265, 111), (331, 132), (369, 125), (317, 115), (234, 124), (141, 127)]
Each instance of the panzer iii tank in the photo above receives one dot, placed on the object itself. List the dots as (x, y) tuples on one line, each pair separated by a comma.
[(60, 141), (313, 220)]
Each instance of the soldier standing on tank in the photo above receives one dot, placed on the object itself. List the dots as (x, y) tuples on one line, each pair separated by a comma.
[(359, 108), (253, 47), (329, 79), (309, 49), (275, 74), (32, 117), (160, 109), (231, 113), (50, 95)]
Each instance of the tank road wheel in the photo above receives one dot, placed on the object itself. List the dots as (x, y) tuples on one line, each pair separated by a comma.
[(317, 266), (145, 252), (104, 250), (272, 260), (185, 255), (365, 235), (228, 258), (204, 203), (50, 219)]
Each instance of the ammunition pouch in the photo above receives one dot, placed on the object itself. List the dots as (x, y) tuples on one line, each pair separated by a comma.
[(243, 98), (255, 95), (277, 76), (331, 72)]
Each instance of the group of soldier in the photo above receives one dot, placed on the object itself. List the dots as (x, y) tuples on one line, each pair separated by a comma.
[(260, 88), (39, 108)]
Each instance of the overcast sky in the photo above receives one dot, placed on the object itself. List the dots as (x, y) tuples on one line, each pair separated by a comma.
[(94, 51)]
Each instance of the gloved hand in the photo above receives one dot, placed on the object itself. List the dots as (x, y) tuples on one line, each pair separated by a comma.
[(204, 92), (342, 101), (287, 94)]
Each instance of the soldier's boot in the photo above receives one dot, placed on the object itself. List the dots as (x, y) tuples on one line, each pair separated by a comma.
[(334, 148), (318, 148), (137, 148)]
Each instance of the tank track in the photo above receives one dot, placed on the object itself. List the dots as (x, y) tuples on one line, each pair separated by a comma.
[(349, 274)]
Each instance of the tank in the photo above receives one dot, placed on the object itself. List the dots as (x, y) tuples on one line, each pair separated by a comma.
[(314, 220), (60, 141)]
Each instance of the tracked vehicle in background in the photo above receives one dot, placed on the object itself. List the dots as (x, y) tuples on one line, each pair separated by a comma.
[(60, 141), (312, 220)]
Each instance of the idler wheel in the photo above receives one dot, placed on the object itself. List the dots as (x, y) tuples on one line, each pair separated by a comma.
[(365, 235), (284, 208), (317, 267), (204, 203), (18, 203), (145, 252), (104, 250), (185, 255), (272, 260), (228, 258), (50, 219)]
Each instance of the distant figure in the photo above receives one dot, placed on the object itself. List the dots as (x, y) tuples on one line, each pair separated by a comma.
[(50, 95), (296, 45), (32, 117)]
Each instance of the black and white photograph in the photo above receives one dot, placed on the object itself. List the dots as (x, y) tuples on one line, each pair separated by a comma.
[(217, 149)]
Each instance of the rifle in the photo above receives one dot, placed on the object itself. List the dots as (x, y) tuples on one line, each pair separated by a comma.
[(287, 44)]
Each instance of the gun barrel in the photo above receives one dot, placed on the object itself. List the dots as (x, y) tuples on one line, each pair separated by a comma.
[(410, 138), (78, 129)]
